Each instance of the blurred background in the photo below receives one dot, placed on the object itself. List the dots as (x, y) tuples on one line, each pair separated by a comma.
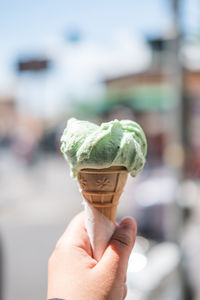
[(97, 61)]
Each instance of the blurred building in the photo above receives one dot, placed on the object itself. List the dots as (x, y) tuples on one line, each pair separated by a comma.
[(152, 96), (8, 115)]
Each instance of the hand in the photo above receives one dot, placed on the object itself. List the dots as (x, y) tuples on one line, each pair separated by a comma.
[(73, 274)]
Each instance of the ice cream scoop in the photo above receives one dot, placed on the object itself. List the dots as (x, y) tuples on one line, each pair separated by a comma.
[(101, 157), (115, 143)]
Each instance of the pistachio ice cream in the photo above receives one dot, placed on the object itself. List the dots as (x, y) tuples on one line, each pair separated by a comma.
[(115, 143)]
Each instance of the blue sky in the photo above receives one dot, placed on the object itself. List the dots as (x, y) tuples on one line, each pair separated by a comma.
[(29, 27), (26, 23)]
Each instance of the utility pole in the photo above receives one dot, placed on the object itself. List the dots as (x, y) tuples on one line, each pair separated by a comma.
[(180, 126), (177, 77)]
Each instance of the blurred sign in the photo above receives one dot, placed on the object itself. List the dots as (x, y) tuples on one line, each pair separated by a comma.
[(74, 36), (33, 65)]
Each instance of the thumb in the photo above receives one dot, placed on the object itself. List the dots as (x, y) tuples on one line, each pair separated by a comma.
[(116, 255)]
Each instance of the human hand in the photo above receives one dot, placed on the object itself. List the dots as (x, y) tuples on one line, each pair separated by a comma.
[(73, 274)]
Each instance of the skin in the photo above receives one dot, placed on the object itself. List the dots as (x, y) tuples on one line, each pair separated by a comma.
[(74, 274)]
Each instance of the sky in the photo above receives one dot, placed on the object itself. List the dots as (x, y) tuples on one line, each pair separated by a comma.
[(113, 37), (26, 25), (28, 21)]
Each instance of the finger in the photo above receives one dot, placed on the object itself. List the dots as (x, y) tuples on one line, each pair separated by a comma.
[(76, 235), (116, 255), (125, 278), (124, 291)]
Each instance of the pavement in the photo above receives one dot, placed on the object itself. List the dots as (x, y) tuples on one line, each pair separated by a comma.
[(36, 203)]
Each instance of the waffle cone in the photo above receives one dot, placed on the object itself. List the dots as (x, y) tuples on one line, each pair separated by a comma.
[(102, 188)]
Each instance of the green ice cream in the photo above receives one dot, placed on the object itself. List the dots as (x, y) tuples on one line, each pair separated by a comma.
[(116, 143)]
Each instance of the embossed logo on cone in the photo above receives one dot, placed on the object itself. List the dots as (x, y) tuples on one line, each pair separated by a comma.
[(102, 188)]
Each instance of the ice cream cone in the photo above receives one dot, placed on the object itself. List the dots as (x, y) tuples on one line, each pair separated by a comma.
[(102, 188)]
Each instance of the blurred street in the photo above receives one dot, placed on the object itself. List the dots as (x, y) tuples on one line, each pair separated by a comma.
[(33, 216), (37, 203), (100, 61)]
